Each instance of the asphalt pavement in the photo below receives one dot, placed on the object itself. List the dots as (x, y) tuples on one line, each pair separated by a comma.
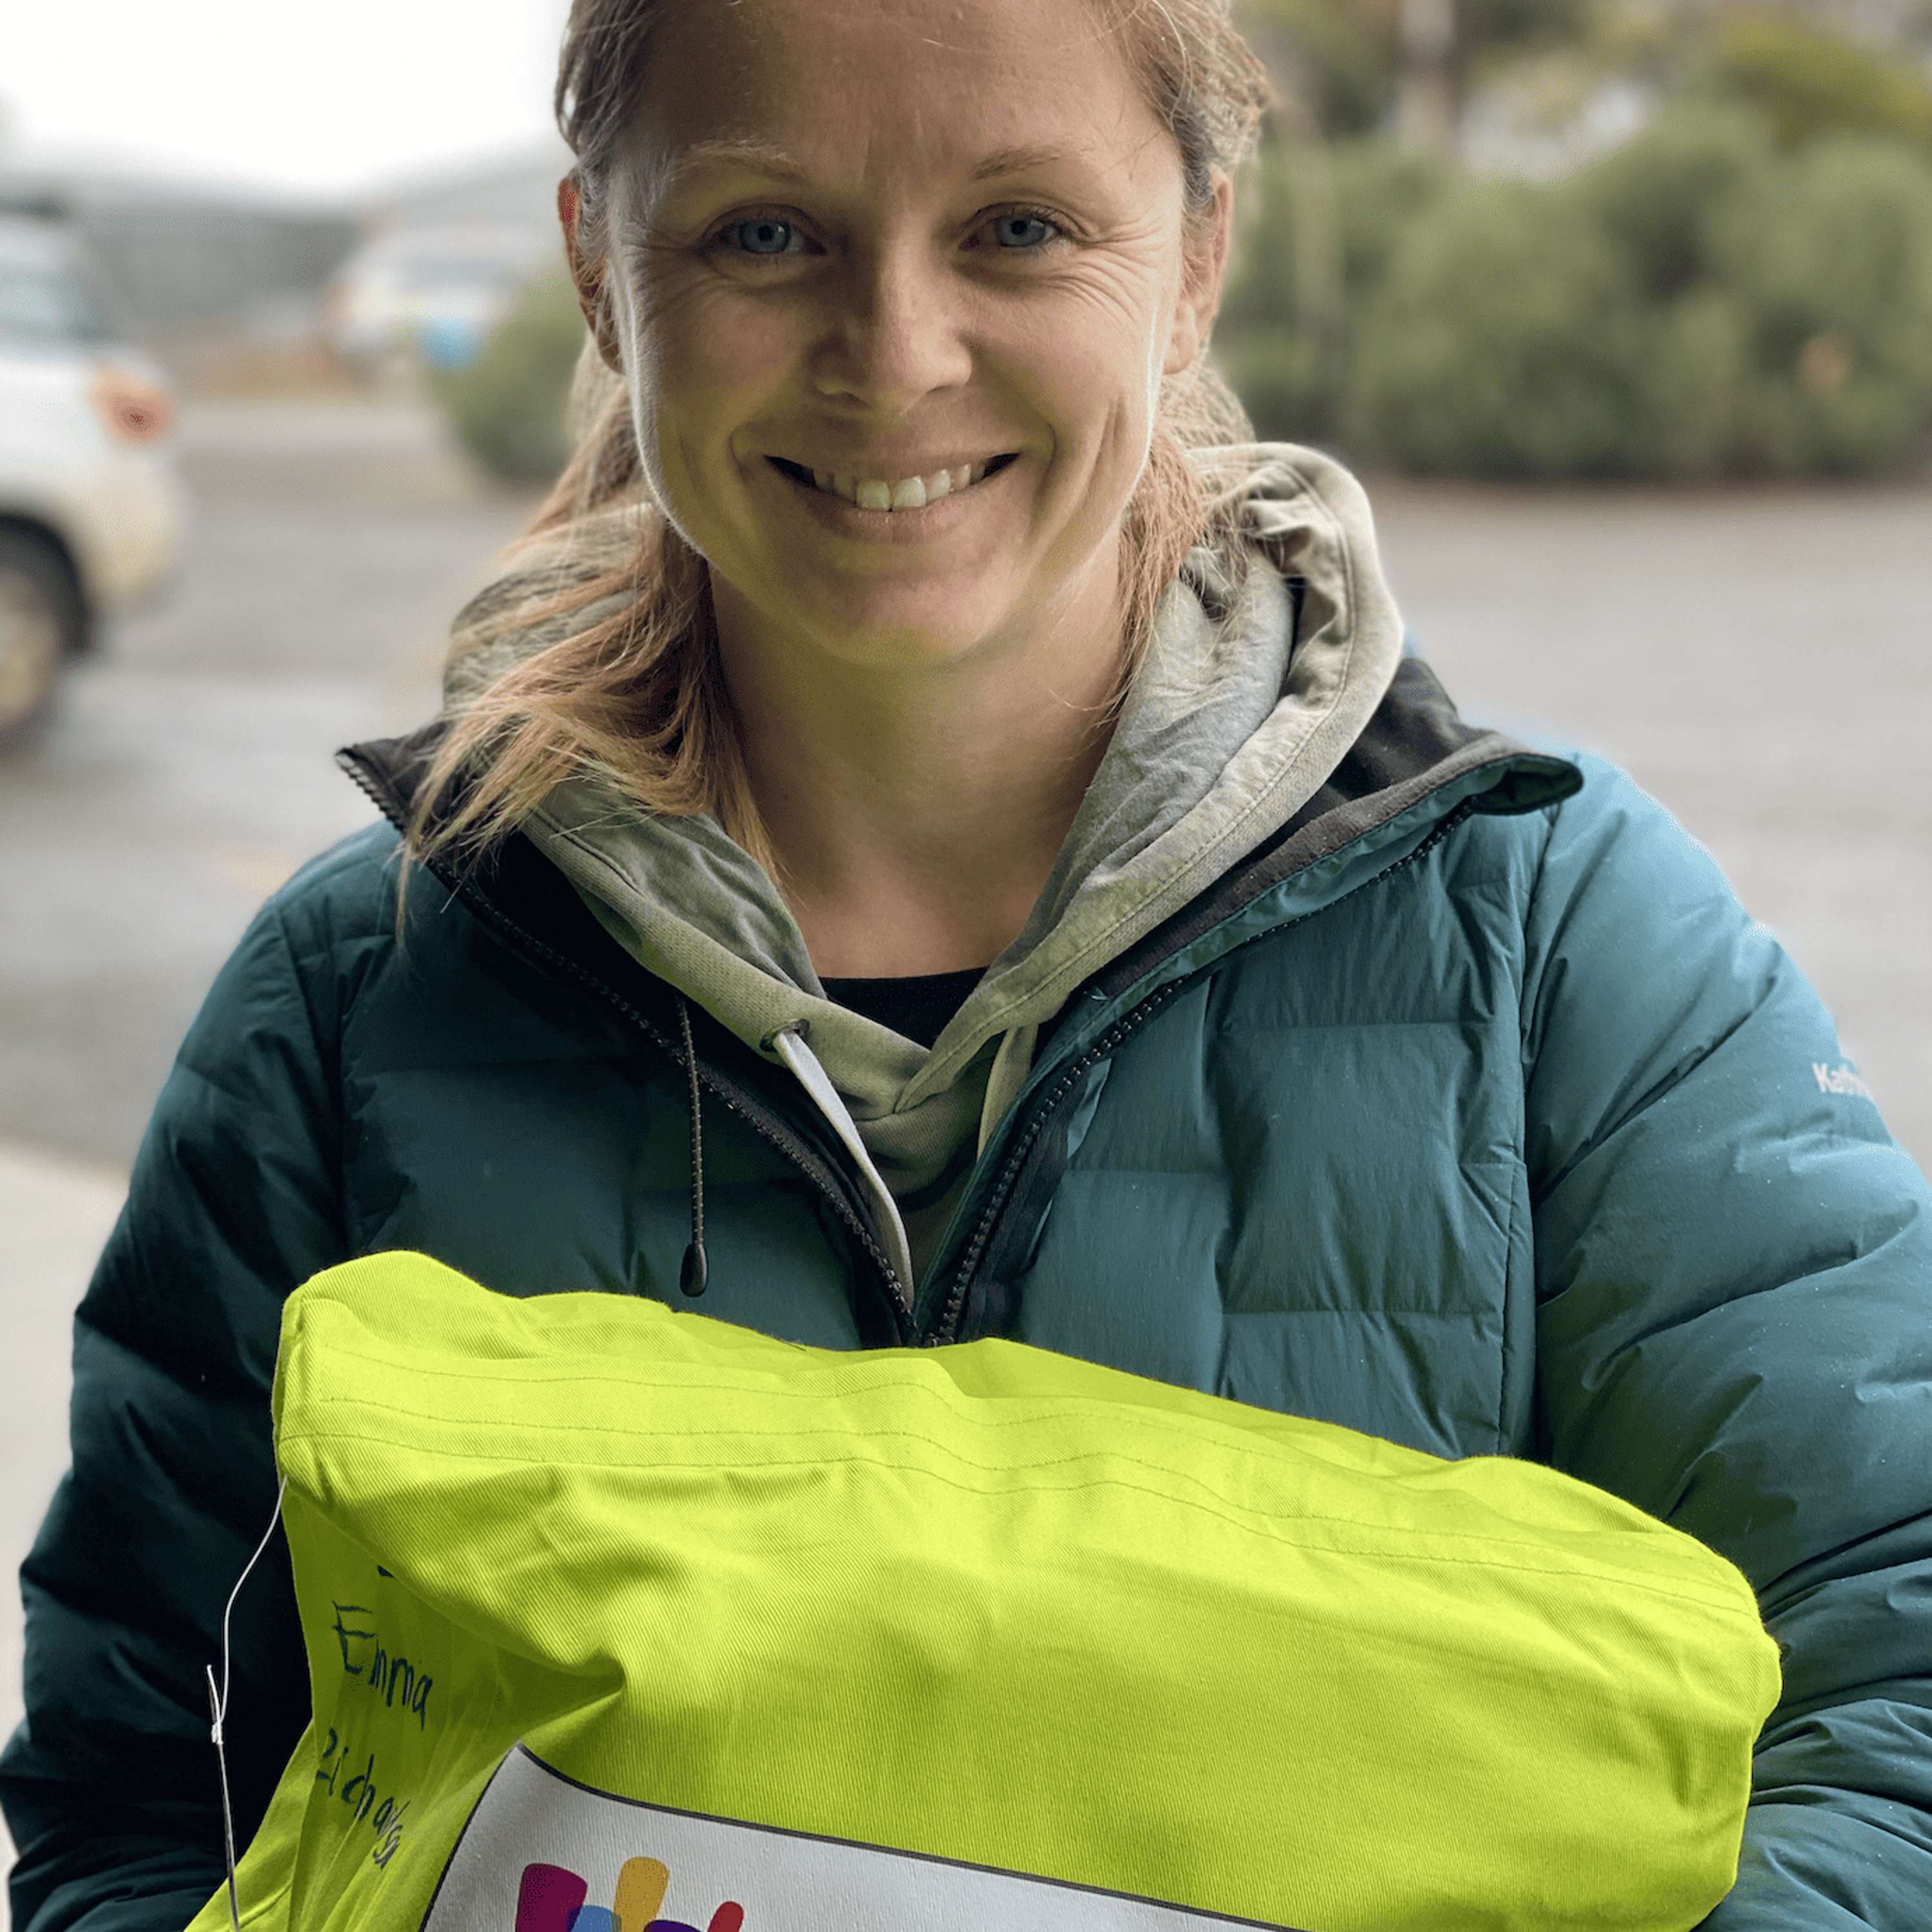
[(1761, 661)]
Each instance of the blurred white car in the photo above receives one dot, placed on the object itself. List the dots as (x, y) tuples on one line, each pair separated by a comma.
[(92, 510), (432, 292)]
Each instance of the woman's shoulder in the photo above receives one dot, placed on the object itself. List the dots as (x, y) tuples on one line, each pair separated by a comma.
[(1612, 837), (349, 889), (317, 933), (1608, 830)]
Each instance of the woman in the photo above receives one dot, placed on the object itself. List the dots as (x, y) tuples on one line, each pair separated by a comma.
[(1060, 909)]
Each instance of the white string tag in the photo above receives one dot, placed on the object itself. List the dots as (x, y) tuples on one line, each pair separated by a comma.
[(217, 1705)]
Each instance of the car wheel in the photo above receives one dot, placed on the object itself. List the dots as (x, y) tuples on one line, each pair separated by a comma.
[(41, 621)]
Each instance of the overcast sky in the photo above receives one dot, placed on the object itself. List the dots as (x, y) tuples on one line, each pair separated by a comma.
[(320, 95)]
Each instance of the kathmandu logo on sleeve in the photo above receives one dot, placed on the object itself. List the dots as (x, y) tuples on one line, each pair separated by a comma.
[(1839, 1079), (551, 1899)]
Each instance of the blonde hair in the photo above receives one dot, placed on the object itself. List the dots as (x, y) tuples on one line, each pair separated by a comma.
[(628, 682)]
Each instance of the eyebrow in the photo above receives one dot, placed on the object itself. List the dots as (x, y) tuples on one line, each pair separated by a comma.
[(761, 157)]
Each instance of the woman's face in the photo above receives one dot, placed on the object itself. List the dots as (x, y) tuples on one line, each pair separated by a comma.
[(907, 298)]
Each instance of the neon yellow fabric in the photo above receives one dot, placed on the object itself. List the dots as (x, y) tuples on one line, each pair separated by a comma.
[(621, 1616)]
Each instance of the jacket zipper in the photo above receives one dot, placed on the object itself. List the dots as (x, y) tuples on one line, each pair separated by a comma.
[(901, 1291), (1128, 1024)]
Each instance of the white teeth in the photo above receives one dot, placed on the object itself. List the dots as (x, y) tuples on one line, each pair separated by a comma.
[(914, 492)]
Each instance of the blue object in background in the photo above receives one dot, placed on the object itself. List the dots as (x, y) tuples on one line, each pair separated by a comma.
[(449, 344)]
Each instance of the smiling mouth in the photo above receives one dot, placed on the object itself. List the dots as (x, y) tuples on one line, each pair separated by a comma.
[(800, 475)]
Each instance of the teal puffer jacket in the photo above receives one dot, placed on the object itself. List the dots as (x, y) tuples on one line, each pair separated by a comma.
[(1472, 1112)]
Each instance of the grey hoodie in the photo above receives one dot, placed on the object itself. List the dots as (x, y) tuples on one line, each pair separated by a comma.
[(1236, 718)]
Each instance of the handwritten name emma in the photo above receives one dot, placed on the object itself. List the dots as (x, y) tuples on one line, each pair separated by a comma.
[(391, 1676)]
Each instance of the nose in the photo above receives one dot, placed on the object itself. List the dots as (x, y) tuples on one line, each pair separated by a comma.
[(898, 327)]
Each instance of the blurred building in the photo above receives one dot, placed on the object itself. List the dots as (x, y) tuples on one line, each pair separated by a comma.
[(444, 257), (513, 194), (220, 279), (179, 256)]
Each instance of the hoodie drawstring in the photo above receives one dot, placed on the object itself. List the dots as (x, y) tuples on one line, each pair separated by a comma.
[(789, 1043), (696, 1271)]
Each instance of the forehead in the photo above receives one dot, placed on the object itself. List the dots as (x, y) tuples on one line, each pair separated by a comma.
[(799, 87)]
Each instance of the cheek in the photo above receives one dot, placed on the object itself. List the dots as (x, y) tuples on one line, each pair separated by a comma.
[(688, 339), (1108, 427), (712, 350), (1100, 370), (641, 349), (684, 373)]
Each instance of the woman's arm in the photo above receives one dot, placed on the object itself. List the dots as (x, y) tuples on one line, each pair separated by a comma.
[(1735, 1285), (109, 1786)]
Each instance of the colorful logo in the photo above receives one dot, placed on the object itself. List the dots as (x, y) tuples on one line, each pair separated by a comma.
[(550, 1899)]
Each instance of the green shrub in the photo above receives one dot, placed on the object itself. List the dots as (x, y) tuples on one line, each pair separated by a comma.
[(1285, 383), (1264, 289), (1319, 227), (1831, 255), (1663, 198), (1318, 224), (1690, 384), (1663, 195), (1381, 189), (507, 406), (1278, 337), (1507, 341), (1696, 304)]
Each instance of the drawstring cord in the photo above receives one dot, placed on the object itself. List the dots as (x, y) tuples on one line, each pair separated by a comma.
[(696, 1271), (217, 1705)]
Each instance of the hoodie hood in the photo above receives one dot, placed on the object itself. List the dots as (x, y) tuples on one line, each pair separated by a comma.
[(1262, 672)]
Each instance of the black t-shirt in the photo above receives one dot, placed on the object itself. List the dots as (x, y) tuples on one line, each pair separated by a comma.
[(918, 1007)]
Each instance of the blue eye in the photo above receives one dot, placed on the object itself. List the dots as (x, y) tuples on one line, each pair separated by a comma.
[(768, 224), (763, 230), (1025, 220)]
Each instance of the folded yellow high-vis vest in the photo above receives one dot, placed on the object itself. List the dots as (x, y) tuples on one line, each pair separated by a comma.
[(620, 1618)]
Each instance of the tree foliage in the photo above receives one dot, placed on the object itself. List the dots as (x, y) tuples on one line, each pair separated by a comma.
[(1809, 83), (1699, 302), (508, 406), (1338, 61)]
